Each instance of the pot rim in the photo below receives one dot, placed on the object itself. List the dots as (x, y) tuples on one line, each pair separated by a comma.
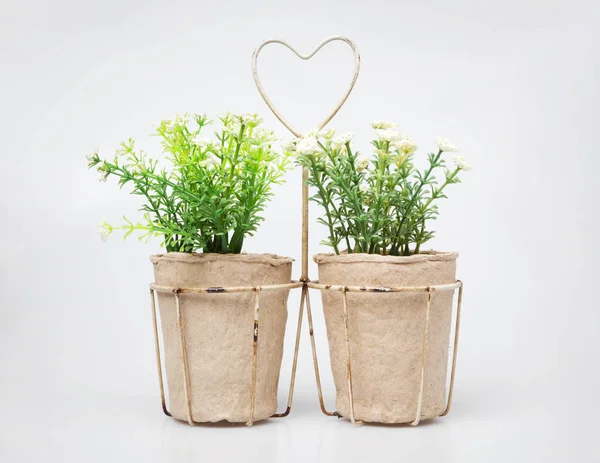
[(432, 256), (201, 257)]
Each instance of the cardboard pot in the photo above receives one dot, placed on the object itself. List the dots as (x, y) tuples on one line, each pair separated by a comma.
[(219, 330), (386, 332)]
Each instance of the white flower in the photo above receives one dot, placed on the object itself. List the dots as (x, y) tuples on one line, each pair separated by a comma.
[(264, 135), (251, 119), (170, 126), (342, 140), (200, 141), (307, 145), (405, 144), (363, 188), (316, 133), (384, 125), (102, 175), (387, 135), (290, 147), (461, 163), (232, 124), (104, 229), (328, 134), (91, 158), (210, 160), (444, 145), (361, 163)]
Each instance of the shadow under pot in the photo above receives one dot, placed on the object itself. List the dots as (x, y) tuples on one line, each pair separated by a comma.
[(218, 329), (386, 334)]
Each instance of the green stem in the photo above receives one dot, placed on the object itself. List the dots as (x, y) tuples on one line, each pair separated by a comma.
[(342, 211), (325, 200), (416, 193)]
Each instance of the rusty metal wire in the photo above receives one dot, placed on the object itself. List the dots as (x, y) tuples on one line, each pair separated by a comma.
[(407, 289), (295, 131), (256, 290)]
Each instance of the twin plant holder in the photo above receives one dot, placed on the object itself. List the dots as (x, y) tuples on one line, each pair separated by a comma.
[(223, 319)]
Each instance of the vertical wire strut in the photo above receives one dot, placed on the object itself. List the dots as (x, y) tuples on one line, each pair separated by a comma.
[(254, 356), (348, 358), (295, 361), (423, 352), (157, 350), (456, 329), (304, 276), (184, 362), (314, 354)]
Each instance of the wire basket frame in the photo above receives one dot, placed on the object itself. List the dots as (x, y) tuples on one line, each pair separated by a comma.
[(429, 290), (256, 290)]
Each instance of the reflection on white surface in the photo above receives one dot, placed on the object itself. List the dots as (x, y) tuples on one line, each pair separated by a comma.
[(97, 428)]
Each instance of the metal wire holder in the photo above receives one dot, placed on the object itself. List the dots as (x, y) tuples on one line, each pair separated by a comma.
[(256, 290), (303, 282), (429, 290)]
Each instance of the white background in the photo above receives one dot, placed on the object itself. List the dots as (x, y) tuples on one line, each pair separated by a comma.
[(515, 84)]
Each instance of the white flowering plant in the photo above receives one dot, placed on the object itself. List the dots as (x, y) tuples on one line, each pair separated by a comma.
[(212, 192), (378, 204)]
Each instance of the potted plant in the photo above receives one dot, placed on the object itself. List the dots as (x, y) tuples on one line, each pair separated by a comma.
[(203, 203), (377, 210)]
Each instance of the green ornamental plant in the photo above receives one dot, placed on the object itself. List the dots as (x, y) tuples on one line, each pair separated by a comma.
[(380, 204), (210, 194)]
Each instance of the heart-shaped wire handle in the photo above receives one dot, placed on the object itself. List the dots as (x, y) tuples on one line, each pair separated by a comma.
[(340, 103)]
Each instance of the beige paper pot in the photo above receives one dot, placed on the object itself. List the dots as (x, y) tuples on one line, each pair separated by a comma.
[(386, 332), (219, 331)]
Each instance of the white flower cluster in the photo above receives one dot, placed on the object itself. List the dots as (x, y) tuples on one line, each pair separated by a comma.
[(92, 158), (316, 133), (387, 134), (211, 160), (233, 122), (200, 141), (404, 144), (308, 146), (461, 163), (396, 140), (102, 173), (169, 126), (362, 163), (383, 125), (250, 119), (444, 145), (264, 135), (290, 147), (341, 141), (104, 229)]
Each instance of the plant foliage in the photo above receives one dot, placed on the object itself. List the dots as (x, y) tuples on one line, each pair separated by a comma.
[(212, 192), (380, 204)]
